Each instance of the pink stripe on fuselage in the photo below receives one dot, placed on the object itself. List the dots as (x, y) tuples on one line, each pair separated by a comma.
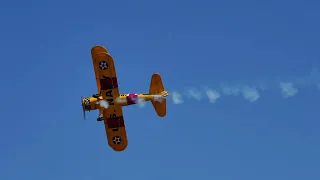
[(132, 99)]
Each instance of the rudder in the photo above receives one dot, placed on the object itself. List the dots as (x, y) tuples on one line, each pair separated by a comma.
[(157, 88)]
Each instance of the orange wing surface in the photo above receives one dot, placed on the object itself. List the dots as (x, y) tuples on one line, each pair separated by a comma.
[(115, 128), (107, 84)]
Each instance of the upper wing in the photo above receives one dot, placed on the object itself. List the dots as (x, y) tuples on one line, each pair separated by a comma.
[(104, 70), (108, 88)]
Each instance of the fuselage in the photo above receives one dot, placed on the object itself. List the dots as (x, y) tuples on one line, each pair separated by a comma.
[(93, 103)]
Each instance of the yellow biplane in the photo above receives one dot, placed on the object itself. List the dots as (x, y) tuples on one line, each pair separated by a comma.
[(109, 101)]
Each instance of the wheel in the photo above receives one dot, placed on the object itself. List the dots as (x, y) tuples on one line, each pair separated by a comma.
[(96, 95), (100, 118)]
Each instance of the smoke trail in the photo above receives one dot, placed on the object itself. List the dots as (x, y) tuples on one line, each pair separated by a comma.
[(230, 91), (251, 93), (194, 93), (141, 102), (120, 100), (158, 98), (212, 95), (287, 89), (176, 98)]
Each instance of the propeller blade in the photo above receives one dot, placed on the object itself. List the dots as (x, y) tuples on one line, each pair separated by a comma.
[(84, 112)]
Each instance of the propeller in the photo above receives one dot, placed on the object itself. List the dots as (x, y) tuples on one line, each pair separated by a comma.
[(84, 112)]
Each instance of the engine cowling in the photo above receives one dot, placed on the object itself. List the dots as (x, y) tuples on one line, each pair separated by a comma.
[(90, 103)]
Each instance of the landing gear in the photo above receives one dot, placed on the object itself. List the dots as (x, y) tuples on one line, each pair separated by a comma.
[(96, 96), (100, 118)]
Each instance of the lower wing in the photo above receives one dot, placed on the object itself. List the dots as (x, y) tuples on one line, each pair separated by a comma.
[(115, 128)]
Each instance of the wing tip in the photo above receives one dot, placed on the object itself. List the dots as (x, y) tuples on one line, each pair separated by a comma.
[(98, 49)]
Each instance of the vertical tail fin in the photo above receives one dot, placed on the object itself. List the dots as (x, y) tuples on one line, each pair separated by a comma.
[(157, 88)]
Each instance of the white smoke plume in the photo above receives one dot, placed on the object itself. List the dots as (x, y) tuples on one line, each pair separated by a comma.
[(141, 102), (103, 103), (158, 98), (287, 89), (212, 95), (194, 93), (176, 98), (121, 100), (250, 92), (230, 91)]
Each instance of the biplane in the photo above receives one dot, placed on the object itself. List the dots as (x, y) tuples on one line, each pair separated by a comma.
[(109, 101)]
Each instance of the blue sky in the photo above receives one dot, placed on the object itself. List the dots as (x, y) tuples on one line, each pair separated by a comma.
[(259, 57)]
